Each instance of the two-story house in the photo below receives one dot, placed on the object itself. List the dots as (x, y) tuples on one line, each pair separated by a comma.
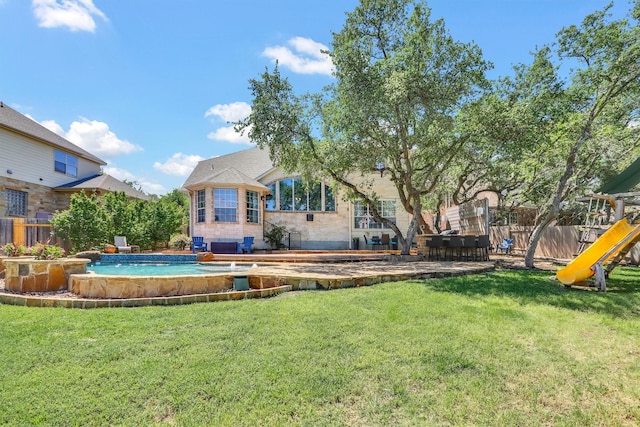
[(39, 169)]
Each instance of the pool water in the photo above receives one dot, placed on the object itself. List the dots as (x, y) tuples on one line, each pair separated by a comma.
[(165, 269)]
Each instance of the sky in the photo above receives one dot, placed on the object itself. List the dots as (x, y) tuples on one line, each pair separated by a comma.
[(151, 86)]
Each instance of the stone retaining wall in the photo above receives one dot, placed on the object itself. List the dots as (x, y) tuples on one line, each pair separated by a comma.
[(31, 275)]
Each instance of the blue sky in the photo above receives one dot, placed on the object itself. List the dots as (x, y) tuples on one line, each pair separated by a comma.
[(149, 85)]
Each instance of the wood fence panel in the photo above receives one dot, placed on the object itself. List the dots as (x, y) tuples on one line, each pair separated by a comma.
[(6, 231), (24, 231)]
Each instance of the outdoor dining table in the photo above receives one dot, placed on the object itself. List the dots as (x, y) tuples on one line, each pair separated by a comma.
[(448, 248)]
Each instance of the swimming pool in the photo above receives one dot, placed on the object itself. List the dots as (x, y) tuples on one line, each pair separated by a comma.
[(165, 269)]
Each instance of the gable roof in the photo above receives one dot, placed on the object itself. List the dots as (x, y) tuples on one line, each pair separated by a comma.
[(14, 121), (245, 165), (232, 176), (102, 182)]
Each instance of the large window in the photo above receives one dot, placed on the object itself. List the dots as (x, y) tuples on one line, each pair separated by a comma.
[(363, 218), (292, 194), (253, 207), (225, 204), (16, 203), (201, 206), (66, 163)]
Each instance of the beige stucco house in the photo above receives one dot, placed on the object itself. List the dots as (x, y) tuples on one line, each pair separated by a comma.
[(243, 194), (39, 169)]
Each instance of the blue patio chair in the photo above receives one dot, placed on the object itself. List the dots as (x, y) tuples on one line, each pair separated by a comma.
[(505, 246), (198, 244), (246, 244)]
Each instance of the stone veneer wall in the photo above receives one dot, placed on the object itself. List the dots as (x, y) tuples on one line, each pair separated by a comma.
[(31, 275), (40, 198), (107, 286)]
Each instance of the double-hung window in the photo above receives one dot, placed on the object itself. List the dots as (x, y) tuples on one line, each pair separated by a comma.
[(225, 204), (253, 207), (201, 206), (363, 219), (65, 163)]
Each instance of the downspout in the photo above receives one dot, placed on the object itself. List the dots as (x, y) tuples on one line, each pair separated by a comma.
[(190, 214), (350, 226)]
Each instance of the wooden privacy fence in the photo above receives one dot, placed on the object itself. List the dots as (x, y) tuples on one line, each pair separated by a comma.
[(24, 231)]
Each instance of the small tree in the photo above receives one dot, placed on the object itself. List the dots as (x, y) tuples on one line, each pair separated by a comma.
[(274, 235), (85, 224)]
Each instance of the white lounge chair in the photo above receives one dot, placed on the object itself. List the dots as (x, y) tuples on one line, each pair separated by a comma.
[(121, 243)]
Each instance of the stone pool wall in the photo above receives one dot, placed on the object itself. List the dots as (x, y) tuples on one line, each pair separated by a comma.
[(31, 275), (106, 286)]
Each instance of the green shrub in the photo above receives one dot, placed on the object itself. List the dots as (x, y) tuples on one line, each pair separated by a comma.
[(180, 242), (274, 236)]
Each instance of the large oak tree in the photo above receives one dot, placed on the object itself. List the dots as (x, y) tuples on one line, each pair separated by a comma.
[(400, 81)]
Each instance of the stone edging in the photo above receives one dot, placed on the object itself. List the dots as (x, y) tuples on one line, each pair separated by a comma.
[(290, 283)]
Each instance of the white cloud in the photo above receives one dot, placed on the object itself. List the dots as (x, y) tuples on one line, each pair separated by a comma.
[(306, 57), (98, 139), (179, 164), (230, 112), (93, 136), (228, 134), (76, 15), (53, 127), (148, 187)]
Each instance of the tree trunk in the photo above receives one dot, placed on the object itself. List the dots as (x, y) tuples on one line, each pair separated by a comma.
[(534, 239), (411, 234)]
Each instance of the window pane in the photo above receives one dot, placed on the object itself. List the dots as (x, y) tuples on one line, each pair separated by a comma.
[(300, 195), (286, 195), (225, 203), (60, 167), (360, 215), (271, 203), (315, 197), (201, 206), (329, 200), (253, 207)]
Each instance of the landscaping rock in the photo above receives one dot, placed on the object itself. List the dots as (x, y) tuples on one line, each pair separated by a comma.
[(204, 256), (92, 255)]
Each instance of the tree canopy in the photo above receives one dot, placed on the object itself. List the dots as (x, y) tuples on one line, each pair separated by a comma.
[(416, 102), (400, 80)]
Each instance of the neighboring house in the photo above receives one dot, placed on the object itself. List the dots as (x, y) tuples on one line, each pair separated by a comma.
[(39, 169), (243, 194)]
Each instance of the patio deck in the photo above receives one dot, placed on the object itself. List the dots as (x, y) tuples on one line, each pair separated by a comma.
[(283, 272)]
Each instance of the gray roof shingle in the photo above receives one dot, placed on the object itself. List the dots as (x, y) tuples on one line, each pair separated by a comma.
[(103, 182), (16, 122), (245, 166)]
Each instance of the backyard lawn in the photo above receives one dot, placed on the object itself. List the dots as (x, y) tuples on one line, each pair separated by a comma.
[(505, 348)]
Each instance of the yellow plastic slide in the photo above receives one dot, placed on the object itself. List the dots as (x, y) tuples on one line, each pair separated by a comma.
[(603, 250)]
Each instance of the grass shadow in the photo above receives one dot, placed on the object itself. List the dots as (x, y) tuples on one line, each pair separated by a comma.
[(622, 298)]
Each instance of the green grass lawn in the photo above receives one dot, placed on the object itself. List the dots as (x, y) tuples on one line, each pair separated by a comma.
[(506, 348)]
